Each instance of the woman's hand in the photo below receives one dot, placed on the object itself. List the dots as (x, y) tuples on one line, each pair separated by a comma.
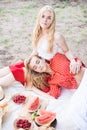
[(75, 66)]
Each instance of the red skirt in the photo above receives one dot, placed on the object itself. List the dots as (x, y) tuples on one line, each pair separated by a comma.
[(18, 72)]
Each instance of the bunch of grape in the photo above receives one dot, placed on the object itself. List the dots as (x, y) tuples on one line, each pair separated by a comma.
[(19, 99), (23, 123)]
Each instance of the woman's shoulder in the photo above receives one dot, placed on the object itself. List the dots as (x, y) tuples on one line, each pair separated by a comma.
[(58, 36)]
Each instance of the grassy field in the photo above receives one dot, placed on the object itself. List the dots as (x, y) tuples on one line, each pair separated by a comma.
[(17, 20)]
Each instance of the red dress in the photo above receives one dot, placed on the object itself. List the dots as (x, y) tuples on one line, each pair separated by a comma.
[(62, 76)]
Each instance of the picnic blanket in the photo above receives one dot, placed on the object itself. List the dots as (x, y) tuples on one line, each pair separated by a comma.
[(59, 106)]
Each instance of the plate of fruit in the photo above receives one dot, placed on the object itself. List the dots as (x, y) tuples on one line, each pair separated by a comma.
[(19, 98), (23, 123)]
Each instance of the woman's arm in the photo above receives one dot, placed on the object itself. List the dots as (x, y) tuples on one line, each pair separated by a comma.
[(60, 40), (74, 65), (34, 52)]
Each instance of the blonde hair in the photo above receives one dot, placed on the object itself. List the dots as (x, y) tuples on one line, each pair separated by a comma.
[(38, 29), (39, 80)]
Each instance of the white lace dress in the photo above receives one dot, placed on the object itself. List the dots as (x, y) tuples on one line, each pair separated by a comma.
[(42, 50)]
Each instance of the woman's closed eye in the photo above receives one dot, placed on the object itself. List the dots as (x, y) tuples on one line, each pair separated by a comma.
[(37, 61), (34, 67)]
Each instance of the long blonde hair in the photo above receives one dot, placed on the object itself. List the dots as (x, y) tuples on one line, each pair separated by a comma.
[(38, 29), (39, 80)]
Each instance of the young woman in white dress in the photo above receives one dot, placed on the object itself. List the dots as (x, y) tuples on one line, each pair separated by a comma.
[(47, 41)]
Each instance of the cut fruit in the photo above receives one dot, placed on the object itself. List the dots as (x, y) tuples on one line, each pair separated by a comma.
[(22, 123), (19, 99), (46, 118), (35, 104)]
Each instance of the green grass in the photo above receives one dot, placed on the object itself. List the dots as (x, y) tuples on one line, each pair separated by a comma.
[(70, 18), (31, 5), (4, 41)]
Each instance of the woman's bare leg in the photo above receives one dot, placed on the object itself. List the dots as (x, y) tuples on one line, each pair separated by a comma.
[(4, 71), (7, 80)]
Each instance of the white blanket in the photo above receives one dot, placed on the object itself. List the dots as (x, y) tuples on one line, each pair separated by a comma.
[(63, 106)]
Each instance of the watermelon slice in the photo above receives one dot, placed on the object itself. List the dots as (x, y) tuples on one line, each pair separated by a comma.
[(35, 104), (45, 117)]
